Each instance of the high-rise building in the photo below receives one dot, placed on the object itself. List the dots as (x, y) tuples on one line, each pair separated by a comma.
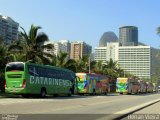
[(128, 36), (106, 38), (8, 29), (79, 49), (135, 60)]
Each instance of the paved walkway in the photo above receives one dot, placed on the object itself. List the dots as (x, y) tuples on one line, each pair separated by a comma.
[(153, 109), (149, 113)]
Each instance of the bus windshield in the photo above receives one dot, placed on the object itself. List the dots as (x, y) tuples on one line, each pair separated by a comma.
[(15, 66)]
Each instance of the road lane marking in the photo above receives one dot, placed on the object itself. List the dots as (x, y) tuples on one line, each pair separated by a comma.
[(20, 101), (69, 107)]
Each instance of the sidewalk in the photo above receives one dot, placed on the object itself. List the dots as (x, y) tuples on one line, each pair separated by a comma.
[(153, 109), (149, 113)]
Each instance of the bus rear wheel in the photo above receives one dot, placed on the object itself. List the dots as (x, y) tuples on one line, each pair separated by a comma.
[(43, 93), (106, 92), (70, 92), (94, 92)]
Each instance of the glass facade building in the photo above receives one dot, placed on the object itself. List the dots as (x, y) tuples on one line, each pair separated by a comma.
[(8, 29), (128, 36)]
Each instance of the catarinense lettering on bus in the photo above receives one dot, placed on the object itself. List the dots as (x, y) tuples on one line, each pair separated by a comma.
[(49, 81)]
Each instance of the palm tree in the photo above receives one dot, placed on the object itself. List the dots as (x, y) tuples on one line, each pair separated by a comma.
[(82, 64), (61, 59), (112, 64), (120, 72), (32, 45), (112, 69), (97, 67), (71, 64), (93, 66)]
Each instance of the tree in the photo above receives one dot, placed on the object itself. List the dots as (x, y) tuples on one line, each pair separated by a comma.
[(61, 59), (112, 69), (71, 65), (97, 67), (5, 57), (32, 45), (82, 64)]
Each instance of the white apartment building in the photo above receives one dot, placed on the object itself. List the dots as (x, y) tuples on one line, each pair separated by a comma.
[(105, 53), (135, 60), (100, 54), (66, 47), (58, 46), (8, 29), (112, 51)]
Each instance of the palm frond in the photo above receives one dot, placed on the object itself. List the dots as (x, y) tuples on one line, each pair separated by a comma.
[(15, 48), (48, 55), (25, 36), (48, 46), (33, 32), (45, 60), (41, 38)]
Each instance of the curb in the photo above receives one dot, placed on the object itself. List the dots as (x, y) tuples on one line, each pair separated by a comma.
[(8, 96), (2, 95), (126, 112)]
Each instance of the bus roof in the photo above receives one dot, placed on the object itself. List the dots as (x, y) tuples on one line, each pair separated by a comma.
[(46, 66), (15, 63), (93, 74), (50, 66)]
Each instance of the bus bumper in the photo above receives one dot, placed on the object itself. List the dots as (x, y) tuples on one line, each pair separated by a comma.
[(15, 90)]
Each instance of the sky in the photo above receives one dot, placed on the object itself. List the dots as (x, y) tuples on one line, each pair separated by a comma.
[(86, 20)]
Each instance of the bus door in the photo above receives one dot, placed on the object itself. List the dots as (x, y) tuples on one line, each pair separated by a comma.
[(81, 83), (77, 79), (92, 84)]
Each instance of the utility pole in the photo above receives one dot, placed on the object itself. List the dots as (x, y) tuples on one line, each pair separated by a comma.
[(89, 64)]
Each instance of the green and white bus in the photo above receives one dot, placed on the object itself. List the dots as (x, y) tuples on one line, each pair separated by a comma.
[(32, 79)]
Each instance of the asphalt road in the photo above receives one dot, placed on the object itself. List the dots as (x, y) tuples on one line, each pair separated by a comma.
[(71, 108)]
